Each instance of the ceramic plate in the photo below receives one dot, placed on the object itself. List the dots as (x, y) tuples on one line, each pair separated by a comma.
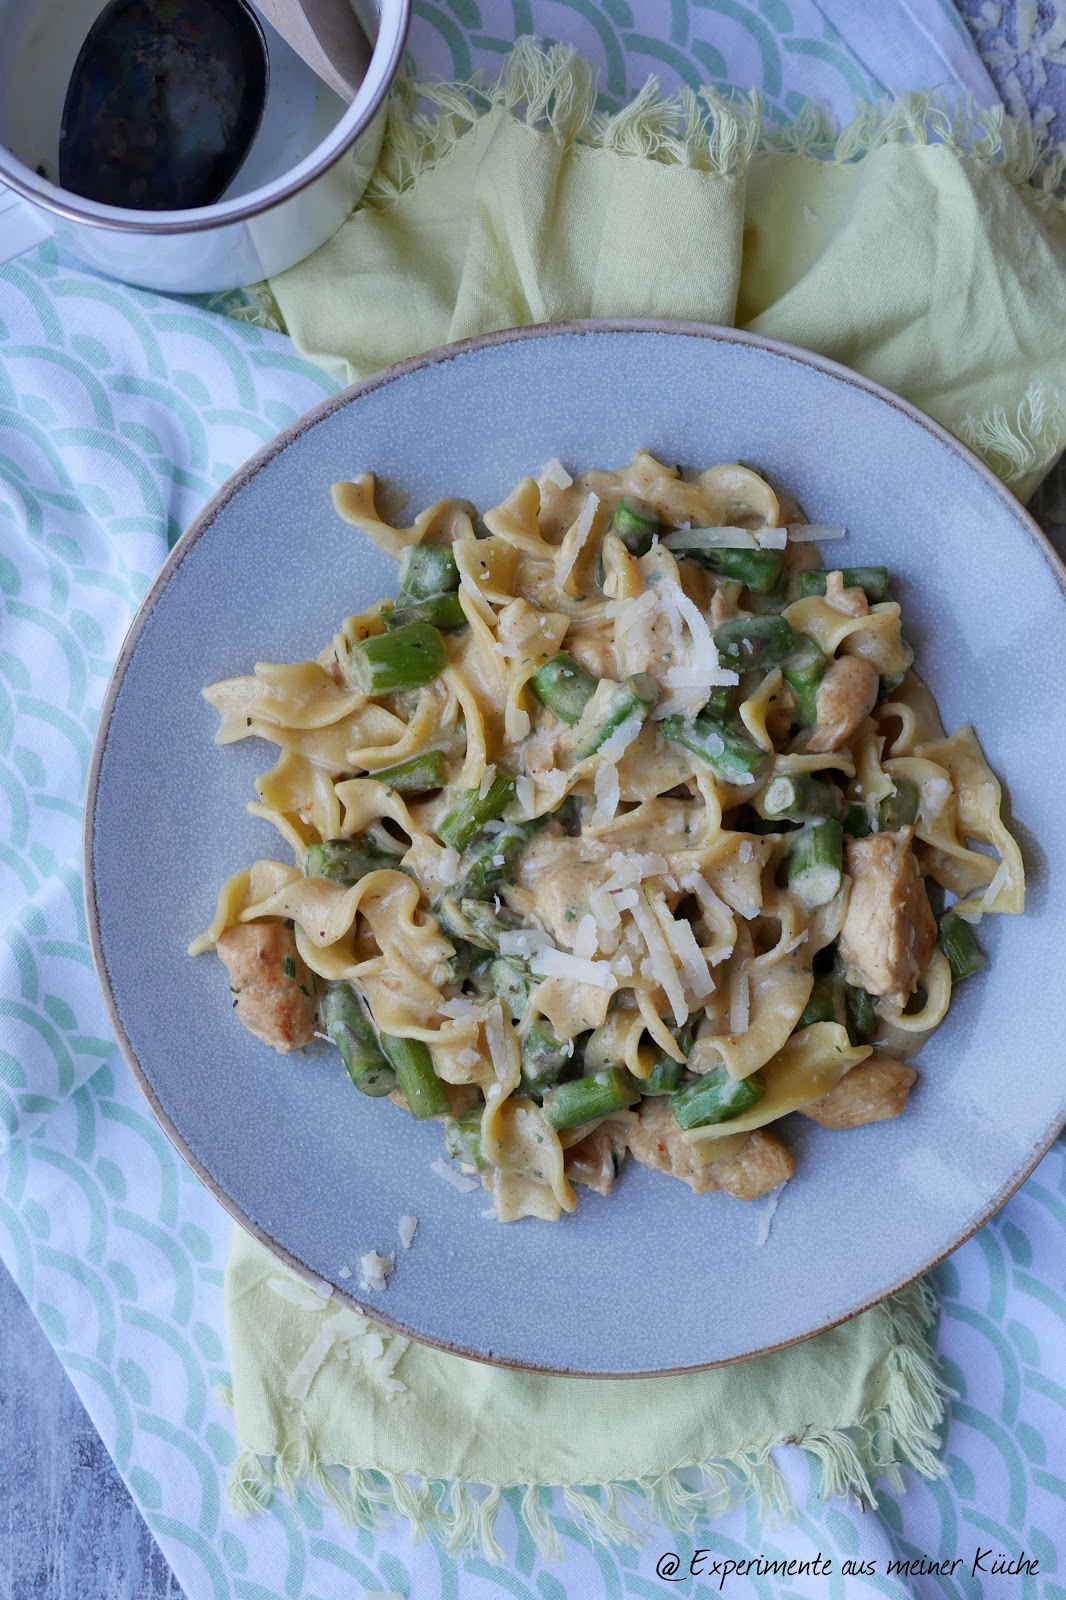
[(652, 1278)]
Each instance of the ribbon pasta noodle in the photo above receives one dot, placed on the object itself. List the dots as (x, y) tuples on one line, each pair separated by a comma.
[(627, 828)]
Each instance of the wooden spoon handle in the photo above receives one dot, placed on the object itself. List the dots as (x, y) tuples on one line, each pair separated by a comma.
[(327, 35)]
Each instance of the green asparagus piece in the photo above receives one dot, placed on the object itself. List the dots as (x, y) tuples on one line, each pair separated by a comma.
[(544, 1055), (822, 1005), (959, 943), (889, 685), (564, 686), (900, 808), (799, 798), (757, 570), (406, 658), (488, 923), (611, 706), (872, 580), (473, 810), (347, 1021), (664, 1076), (859, 1015), (466, 961), (417, 775), (715, 1097), (490, 862), (636, 525), (462, 1139), (441, 610), (721, 702), (856, 819), (426, 570), (418, 1083), (569, 815), (347, 860), (582, 1099), (745, 642), (728, 753), (667, 1073), (512, 984), (815, 862), (803, 672)]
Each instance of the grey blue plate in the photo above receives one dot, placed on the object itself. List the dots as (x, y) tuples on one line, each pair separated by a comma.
[(652, 1278)]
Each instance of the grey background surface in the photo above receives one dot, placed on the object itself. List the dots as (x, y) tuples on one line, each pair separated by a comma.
[(68, 1529)]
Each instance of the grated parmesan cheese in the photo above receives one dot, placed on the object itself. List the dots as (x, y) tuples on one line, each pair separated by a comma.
[(560, 964), (448, 866), (1000, 880), (488, 778), (345, 1272), (766, 1215), (407, 1228), (629, 869), (463, 1007), (606, 788), (467, 1058), (724, 538), (620, 740), (374, 1269), (306, 1369), (585, 939), (662, 962), (815, 532), (682, 942), (739, 1000), (604, 910), (450, 1174), (704, 652), (773, 538), (575, 540), (525, 793), (555, 473), (300, 1294), (524, 941)]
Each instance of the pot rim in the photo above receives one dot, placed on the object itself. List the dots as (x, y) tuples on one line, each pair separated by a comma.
[(394, 19)]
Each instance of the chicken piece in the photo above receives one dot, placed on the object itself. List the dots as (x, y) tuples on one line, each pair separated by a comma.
[(871, 1092), (274, 994), (761, 1163), (596, 1159), (846, 695), (596, 653), (889, 931), (852, 602), (656, 1142)]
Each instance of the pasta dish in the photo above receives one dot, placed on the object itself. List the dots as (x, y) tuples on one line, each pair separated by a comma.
[(625, 829)]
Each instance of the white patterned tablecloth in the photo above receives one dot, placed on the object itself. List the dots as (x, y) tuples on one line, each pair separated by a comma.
[(120, 413)]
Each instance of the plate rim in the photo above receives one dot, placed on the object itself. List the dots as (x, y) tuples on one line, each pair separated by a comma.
[(198, 527)]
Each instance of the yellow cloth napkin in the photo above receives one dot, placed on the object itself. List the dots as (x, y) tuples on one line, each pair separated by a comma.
[(460, 1436), (936, 268)]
